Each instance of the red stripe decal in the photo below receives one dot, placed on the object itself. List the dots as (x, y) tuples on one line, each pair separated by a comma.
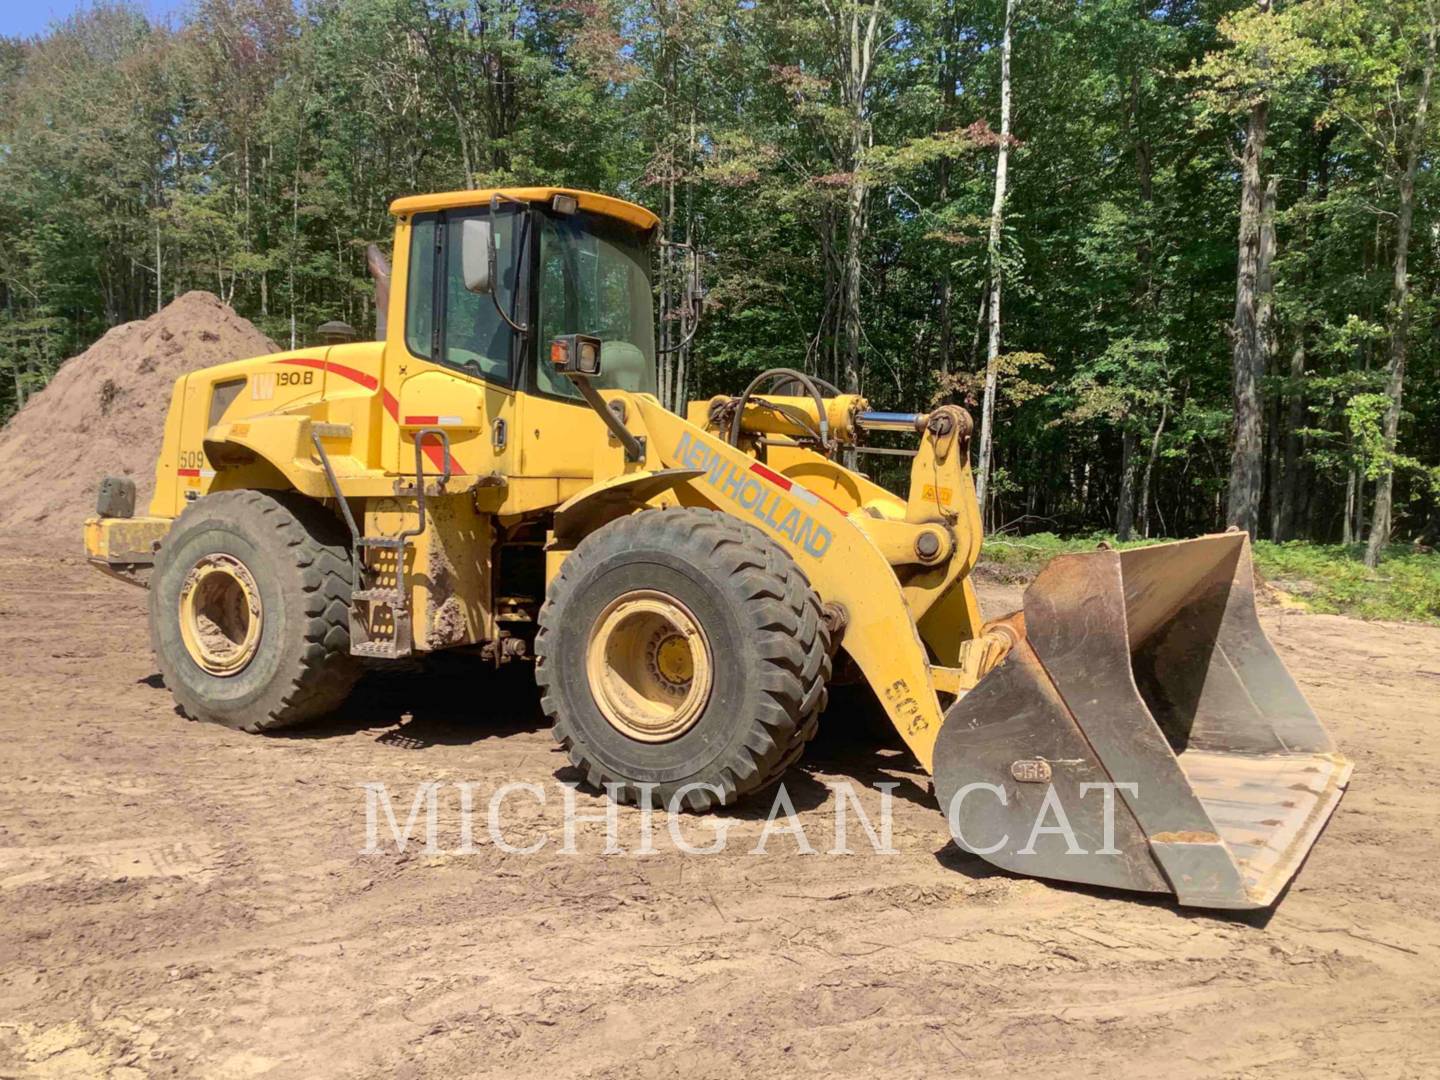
[(187, 472), (785, 483), (432, 451), (782, 482), (354, 375), (369, 382), (431, 448)]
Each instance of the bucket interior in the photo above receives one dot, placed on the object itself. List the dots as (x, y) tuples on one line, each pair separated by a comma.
[(1248, 743), (1249, 764), (1268, 810)]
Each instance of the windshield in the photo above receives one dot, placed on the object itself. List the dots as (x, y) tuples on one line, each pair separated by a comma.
[(595, 279)]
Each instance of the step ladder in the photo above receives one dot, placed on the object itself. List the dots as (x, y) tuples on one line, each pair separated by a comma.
[(368, 626), (372, 634)]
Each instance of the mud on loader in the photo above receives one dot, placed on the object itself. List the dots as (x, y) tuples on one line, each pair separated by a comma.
[(497, 476)]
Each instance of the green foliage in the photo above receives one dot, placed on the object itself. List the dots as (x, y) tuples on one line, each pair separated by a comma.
[(254, 148), (1332, 579), (1323, 578)]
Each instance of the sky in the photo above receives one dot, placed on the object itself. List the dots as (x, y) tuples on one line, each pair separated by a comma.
[(25, 18)]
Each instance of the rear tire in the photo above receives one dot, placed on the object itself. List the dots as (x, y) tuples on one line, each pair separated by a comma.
[(741, 699), (249, 610)]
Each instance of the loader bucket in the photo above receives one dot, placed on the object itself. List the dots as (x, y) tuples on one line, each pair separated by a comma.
[(1142, 734)]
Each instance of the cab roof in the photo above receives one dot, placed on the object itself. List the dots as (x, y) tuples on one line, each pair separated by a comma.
[(588, 200)]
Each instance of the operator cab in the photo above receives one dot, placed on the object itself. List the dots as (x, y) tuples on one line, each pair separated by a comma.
[(520, 268)]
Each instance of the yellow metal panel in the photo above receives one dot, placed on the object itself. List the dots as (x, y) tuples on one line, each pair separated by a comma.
[(465, 409), (167, 500), (448, 571), (554, 558), (453, 583), (600, 503), (269, 415), (825, 477), (588, 200), (124, 540), (557, 438)]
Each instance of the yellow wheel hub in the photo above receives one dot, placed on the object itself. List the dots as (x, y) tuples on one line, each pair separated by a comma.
[(220, 614), (649, 666)]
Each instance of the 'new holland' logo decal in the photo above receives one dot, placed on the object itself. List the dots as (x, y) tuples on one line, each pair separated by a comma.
[(744, 487)]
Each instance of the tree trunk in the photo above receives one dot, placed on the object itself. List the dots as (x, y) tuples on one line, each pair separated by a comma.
[(854, 237), (949, 75), (1354, 524), (824, 334), (945, 340), (945, 344), (159, 284), (1248, 338), (1265, 323), (1286, 495), (1125, 509), (857, 33), (982, 312), (1150, 469), (690, 311), (294, 251), (1400, 307), (997, 221), (1289, 488), (667, 261)]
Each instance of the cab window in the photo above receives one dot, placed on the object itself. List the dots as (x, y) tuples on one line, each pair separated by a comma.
[(420, 297), (449, 324)]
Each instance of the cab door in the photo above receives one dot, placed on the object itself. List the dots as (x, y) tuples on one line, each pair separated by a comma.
[(454, 366)]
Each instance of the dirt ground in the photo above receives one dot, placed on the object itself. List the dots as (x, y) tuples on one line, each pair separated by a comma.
[(179, 899)]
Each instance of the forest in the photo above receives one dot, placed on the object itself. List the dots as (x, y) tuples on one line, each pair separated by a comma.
[(1181, 259)]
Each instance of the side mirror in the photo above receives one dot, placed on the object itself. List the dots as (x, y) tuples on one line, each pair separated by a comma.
[(475, 253)]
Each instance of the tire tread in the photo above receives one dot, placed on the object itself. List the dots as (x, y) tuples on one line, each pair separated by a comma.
[(783, 615), (319, 672)]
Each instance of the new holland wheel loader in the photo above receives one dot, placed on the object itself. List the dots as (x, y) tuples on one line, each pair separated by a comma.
[(498, 476)]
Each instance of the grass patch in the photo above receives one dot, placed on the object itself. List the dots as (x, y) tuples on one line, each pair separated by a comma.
[(1332, 578), (1327, 578)]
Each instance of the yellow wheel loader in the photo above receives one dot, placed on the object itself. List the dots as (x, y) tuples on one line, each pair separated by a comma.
[(497, 476)]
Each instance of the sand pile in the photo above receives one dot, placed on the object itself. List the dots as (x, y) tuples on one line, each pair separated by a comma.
[(104, 411)]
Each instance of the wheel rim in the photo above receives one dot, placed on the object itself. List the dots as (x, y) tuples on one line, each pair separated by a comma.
[(649, 666), (220, 614)]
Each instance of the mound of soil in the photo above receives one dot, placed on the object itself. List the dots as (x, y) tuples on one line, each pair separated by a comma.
[(104, 412)]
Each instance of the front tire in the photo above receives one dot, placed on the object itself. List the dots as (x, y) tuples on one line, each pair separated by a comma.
[(682, 653), (249, 610)]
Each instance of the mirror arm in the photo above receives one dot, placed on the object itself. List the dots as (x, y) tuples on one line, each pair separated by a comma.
[(634, 448), (494, 258)]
